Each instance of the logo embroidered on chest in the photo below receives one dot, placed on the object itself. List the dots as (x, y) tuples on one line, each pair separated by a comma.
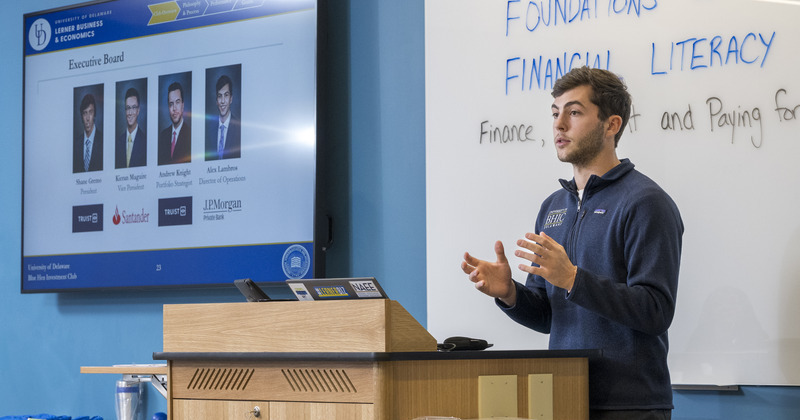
[(554, 218)]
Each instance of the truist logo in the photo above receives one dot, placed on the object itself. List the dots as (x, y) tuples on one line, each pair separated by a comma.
[(129, 217), (87, 218), (175, 211)]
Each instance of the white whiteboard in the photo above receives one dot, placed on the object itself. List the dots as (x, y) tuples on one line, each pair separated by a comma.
[(738, 317)]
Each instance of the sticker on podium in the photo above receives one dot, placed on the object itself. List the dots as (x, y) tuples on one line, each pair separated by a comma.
[(337, 289)]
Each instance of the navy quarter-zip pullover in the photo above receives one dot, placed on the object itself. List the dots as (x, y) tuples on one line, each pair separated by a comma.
[(624, 236)]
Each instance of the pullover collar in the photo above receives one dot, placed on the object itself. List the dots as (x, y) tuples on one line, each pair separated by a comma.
[(597, 183)]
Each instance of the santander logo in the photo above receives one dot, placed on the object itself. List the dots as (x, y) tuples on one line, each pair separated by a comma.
[(130, 217), (116, 219)]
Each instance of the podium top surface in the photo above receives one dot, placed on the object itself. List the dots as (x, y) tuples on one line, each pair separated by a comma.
[(145, 369), (378, 356)]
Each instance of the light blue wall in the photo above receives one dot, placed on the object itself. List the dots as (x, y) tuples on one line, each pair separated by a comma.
[(375, 190)]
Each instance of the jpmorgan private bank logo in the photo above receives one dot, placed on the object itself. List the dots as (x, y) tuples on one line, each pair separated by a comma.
[(40, 34), (296, 262), (216, 208)]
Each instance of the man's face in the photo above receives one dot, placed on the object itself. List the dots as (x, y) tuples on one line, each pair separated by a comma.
[(87, 115), (578, 132), (175, 102), (131, 111), (224, 99)]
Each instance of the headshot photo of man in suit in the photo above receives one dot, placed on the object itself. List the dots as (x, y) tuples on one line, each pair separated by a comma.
[(131, 144), (88, 142), (175, 141), (223, 128)]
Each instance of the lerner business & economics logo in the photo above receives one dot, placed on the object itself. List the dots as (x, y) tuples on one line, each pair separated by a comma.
[(296, 262), (40, 34)]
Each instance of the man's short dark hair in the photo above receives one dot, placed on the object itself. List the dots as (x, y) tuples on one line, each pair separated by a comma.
[(133, 93), (175, 86), (609, 93), (224, 80), (86, 101)]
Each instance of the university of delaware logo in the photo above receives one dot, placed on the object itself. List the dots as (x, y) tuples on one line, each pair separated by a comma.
[(296, 262), (40, 34)]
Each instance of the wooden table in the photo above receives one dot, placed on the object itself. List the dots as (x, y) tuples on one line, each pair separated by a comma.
[(156, 374)]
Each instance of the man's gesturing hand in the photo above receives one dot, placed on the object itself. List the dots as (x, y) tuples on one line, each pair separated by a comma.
[(492, 278), (552, 260)]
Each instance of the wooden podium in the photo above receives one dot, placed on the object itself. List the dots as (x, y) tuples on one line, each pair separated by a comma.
[(348, 360)]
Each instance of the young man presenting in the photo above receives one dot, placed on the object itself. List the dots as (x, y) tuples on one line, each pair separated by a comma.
[(605, 260)]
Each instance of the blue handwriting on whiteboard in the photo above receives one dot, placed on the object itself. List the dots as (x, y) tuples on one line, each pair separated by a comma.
[(629, 7), (563, 12), (700, 53), (541, 73)]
